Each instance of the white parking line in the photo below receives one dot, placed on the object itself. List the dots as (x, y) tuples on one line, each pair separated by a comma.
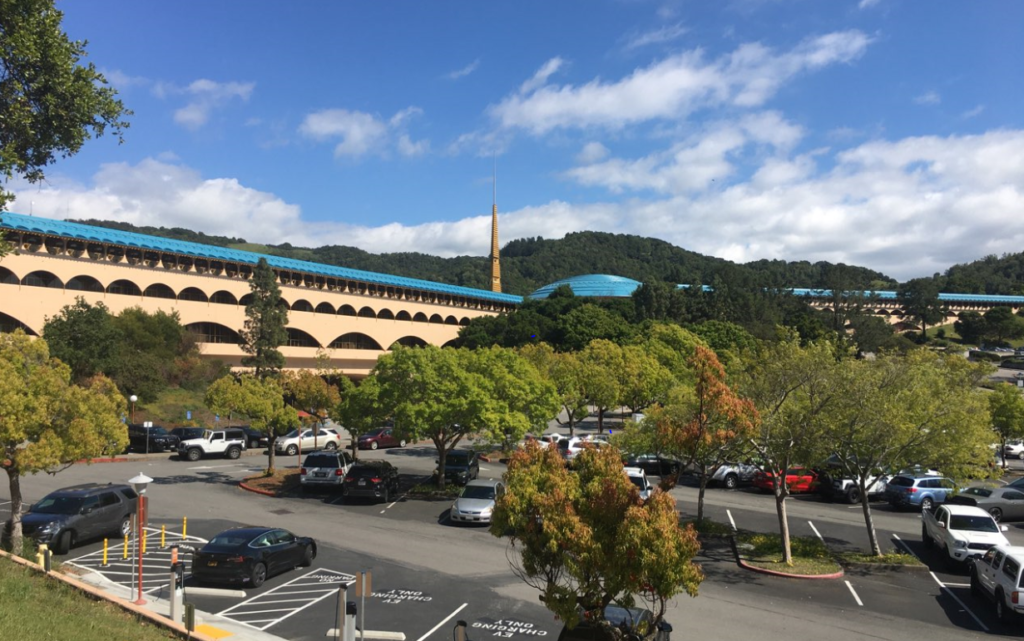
[(818, 534), (854, 593), (443, 621), (729, 512), (322, 577), (943, 586)]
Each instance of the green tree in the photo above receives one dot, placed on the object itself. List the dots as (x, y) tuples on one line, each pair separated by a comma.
[(793, 389), (920, 300), (46, 421), (602, 361), (261, 400), (1006, 405), (50, 104), (265, 324), (903, 410), (584, 539), (643, 381), (872, 334), (567, 374), (311, 392), (84, 337), (146, 357), (359, 409), (587, 323), (1001, 325), (704, 425), (971, 327)]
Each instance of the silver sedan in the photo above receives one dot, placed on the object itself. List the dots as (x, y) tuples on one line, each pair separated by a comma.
[(476, 502)]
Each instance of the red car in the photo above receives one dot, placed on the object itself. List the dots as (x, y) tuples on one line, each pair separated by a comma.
[(381, 437), (798, 479)]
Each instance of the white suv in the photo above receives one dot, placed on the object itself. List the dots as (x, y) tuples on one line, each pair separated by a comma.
[(325, 439), (228, 443), (997, 575), (639, 479), (1014, 449)]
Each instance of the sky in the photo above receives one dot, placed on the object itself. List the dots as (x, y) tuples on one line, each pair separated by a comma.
[(882, 133)]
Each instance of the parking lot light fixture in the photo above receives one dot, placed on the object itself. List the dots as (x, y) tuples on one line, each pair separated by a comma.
[(139, 483), (133, 398)]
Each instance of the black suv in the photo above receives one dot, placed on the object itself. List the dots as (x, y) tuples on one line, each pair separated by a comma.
[(253, 437), (619, 624), (79, 513), (461, 466), (150, 439), (371, 479), (185, 433)]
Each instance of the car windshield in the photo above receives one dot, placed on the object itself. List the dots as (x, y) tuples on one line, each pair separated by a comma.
[(158, 431), (364, 471), (478, 492), (972, 523), (373, 433), (58, 505), (321, 460), (292, 434), (563, 444), (638, 481), (228, 540), (207, 434), (456, 460)]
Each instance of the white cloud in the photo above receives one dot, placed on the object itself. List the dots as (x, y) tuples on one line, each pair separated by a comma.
[(362, 133), (865, 4), (408, 148), (971, 113), (121, 80), (206, 95), (928, 98), (465, 71), (591, 153), (661, 35), (672, 88), (908, 207)]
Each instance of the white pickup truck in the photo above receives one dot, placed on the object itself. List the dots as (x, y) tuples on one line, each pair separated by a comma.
[(961, 532)]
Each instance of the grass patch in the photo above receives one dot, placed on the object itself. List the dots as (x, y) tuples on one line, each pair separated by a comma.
[(280, 482), (172, 406), (430, 490), (707, 527), (763, 550), (894, 557), (30, 601)]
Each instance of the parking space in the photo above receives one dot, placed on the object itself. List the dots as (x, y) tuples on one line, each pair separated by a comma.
[(278, 604)]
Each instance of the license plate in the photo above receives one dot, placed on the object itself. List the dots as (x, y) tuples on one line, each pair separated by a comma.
[(212, 564), (362, 481), (320, 475)]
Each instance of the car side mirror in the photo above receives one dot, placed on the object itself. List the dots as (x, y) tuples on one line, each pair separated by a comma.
[(86, 510), (942, 525), (438, 461), (1004, 529)]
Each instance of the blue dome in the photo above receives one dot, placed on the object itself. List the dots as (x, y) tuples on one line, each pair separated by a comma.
[(601, 285)]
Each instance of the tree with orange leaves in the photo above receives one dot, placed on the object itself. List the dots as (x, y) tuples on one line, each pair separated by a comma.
[(703, 425)]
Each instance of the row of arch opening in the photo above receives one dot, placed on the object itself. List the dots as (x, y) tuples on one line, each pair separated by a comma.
[(158, 290)]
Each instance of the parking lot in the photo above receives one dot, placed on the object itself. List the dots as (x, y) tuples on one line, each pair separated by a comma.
[(428, 573)]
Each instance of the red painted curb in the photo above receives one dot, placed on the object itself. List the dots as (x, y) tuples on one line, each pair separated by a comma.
[(255, 490), (485, 459), (837, 575), (114, 459)]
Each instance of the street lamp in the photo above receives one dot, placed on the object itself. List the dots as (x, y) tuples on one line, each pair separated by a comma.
[(133, 398), (139, 483)]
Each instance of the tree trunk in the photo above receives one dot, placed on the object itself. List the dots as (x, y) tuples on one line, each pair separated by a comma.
[(442, 451), (600, 419), (868, 520), (700, 493), (270, 459), (780, 508), (355, 446), (14, 480)]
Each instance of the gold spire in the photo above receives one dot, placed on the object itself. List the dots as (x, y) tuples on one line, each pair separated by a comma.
[(495, 257)]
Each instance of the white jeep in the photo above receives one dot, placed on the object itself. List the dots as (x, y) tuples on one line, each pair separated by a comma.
[(228, 443)]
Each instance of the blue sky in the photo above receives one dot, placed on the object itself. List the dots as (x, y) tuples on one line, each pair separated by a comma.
[(882, 133)]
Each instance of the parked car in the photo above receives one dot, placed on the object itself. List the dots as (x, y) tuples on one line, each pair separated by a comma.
[(997, 575), (460, 466), (1003, 503), (476, 501), (618, 623), (570, 448), (152, 438), (1014, 449), (961, 532), (918, 491), (228, 443), (639, 479), (326, 438), (655, 465), (250, 555), (324, 469), (798, 480), (255, 438), (187, 433), (72, 515), (371, 479), (381, 437), (732, 475)]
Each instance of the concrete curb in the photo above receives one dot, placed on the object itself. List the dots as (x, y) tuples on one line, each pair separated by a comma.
[(788, 575), (99, 595), (882, 567)]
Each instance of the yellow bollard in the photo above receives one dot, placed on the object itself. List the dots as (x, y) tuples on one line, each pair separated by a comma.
[(145, 535), (125, 555), (104, 553), (184, 527), (163, 536)]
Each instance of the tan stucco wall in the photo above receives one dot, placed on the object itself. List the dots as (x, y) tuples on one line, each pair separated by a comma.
[(32, 305)]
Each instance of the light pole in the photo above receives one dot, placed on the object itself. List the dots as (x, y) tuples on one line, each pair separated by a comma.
[(139, 483), (133, 398)]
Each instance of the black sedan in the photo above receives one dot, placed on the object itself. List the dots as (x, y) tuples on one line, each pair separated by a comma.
[(250, 555)]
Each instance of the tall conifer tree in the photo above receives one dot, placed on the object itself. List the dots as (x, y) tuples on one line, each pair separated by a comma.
[(266, 319)]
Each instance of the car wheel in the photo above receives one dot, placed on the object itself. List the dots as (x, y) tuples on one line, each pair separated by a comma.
[(373, 445), (331, 446), (126, 526), (997, 514), (731, 481), (925, 539), (63, 542), (387, 495), (258, 576), (194, 454), (308, 556), (853, 495), (233, 452), (401, 443), (254, 443), (1021, 455), (292, 450), (1001, 612), (975, 584), (927, 503)]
